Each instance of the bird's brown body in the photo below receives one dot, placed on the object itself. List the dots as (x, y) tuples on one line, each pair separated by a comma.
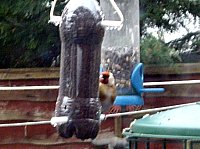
[(107, 91)]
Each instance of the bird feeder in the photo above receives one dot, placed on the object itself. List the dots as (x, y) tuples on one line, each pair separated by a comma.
[(120, 48), (135, 97)]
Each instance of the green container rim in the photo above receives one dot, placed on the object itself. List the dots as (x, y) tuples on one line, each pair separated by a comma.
[(178, 123)]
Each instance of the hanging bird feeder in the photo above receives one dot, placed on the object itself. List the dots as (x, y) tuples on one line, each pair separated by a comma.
[(81, 27)]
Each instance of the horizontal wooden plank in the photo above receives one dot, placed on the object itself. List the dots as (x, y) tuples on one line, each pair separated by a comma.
[(7, 115), (182, 68), (26, 110), (29, 82), (156, 102), (47, 136), (183, 90), (72, 145), (29, 95), (29, 73), (53, 72), (41, 135)]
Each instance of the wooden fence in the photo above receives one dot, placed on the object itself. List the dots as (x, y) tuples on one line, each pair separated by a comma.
[(36, 105)]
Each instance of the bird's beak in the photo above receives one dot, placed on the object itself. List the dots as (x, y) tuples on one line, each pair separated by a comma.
[(101, 78)]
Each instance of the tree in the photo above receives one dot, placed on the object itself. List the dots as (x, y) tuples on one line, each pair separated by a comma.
[(170, 15), (155, 51), (27, 40)]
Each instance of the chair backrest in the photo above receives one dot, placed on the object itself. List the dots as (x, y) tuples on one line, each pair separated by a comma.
[(137, 79)]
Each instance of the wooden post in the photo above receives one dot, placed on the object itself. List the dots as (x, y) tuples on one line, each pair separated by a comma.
[(118, 126)]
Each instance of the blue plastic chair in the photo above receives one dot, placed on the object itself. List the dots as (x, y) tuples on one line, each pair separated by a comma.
[(137, 79)]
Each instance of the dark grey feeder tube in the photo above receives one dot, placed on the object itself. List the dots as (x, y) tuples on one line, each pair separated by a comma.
[(81, 37)]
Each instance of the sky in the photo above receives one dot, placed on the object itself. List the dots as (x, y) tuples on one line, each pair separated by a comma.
[(191, 27)]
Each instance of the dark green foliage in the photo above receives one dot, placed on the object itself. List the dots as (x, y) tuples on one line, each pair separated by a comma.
[(189, 41), (27, 40), (154, 51), (167, 14)]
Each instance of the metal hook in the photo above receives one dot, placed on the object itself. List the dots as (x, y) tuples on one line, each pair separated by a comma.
[(107, 23), (54, 19), (114, 24)]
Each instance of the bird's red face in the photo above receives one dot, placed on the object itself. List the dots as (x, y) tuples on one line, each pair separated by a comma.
[(104, 77)]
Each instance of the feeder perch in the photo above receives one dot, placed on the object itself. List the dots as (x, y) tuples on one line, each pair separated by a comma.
[(137, 79)]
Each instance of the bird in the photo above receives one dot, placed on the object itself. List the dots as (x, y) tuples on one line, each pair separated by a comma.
[(107, 91)]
